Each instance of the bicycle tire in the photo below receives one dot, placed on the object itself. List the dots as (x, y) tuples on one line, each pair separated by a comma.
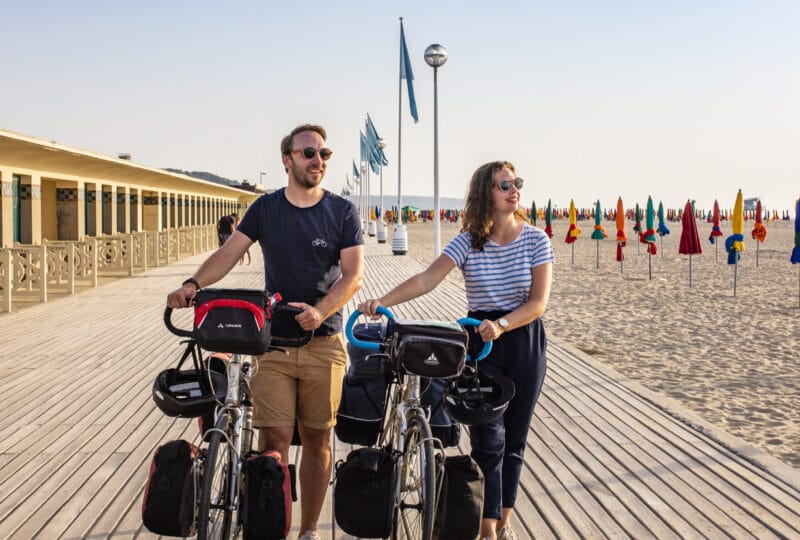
[(415, 508), (214, 513)]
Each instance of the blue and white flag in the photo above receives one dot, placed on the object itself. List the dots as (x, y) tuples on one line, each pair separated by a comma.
[(363, 146), (376, 152), (407, 73), (356, 174)]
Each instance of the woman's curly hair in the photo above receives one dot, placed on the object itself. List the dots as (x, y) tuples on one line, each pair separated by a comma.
[(478, 210)]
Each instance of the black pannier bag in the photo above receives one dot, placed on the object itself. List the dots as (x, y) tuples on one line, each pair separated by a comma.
[(232, 320), (359, 418), (443, 427), (429, 348), (363, 493), (169, 497), (267, 495), (460, 509)]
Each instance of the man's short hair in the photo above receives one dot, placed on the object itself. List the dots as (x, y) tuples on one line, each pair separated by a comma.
[(286, 143)]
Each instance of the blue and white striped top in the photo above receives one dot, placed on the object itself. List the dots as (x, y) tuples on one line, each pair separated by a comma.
[(499, 277)]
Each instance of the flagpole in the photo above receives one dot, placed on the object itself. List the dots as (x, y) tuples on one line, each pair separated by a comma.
[(399, 134)]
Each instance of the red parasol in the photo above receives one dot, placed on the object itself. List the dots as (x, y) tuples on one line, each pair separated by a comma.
[(622, 238), (715, 230), (690, 240), (759, 230)]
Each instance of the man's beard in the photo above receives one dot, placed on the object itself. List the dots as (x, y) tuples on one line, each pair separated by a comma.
[(302, 177)]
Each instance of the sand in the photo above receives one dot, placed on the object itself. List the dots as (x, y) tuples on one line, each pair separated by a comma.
[(735, 361)]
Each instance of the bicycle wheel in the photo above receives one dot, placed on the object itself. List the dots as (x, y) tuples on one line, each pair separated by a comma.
[(214, 515), (414, 509)]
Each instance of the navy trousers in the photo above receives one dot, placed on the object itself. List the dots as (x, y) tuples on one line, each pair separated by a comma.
[(498, 447)]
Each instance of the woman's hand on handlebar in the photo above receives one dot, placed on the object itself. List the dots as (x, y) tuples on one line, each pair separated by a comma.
[(183, 297), (489, 330), (310, 319), (370, 307)]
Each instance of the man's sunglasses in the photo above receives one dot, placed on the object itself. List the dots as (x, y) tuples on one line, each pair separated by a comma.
[(309, 153), (505, 185)]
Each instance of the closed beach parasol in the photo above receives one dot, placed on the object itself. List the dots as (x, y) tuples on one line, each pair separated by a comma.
[(622, 239), (574, 232), (662, 229), (759, 230), (715, 230), (599, 231), (648, 236), (796, 251), (734, 244), (533, 212), (690, 240), (637, 224), (548, 219)]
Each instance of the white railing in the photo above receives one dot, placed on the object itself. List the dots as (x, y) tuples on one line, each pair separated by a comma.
[(29, 273)]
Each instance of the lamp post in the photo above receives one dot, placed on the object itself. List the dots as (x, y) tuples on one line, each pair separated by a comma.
[(436, 56), (364, 215), (381, 225), (261, 178)]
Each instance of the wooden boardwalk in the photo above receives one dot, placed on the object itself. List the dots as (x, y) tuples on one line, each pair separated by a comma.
[(606, 458)]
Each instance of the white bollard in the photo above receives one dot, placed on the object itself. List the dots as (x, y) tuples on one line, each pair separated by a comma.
[(371, 228), (400, 240), (382, 233)]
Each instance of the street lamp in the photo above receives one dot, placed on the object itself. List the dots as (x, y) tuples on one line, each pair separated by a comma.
[(381, 225), (436, 56), (261, 178)]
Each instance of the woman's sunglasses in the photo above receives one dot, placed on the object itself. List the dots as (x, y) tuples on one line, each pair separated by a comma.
[(309, 153), (505, 185)]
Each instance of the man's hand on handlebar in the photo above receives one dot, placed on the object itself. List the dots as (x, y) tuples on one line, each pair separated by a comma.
[(310, 319), (183, 297), (370, 307)]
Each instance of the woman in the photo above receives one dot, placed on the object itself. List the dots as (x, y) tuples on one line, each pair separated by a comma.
[(507, 267)]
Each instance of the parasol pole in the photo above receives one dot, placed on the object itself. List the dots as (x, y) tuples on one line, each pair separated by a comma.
[(649, 264), (573, 252), (716, 249), (757, 245), (690, 270), (598, 253), (661, 240), (735, 268)]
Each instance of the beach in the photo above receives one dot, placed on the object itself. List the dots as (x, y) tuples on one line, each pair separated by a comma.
[(734, 361)]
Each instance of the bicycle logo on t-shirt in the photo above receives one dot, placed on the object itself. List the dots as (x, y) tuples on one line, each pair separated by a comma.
[(319, 242)]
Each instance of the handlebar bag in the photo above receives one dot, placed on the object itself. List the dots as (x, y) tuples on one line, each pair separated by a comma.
[(232, 320), (435, 349)]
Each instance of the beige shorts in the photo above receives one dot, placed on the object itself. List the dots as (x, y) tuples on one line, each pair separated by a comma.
[(305, 384)]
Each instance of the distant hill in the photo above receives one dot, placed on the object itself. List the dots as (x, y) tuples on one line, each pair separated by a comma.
[(207, 176), (423, 203)]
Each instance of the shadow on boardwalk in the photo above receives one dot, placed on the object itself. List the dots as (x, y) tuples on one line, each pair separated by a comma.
[(606, 458)]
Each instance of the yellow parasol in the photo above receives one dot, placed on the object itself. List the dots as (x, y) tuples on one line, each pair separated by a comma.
[(734, 244), (574, 232)]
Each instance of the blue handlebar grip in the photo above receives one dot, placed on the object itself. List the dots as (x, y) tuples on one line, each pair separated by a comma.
[(487, 347), (367, 345)]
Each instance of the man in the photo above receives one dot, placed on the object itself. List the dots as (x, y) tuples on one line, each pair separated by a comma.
[(313, 256)]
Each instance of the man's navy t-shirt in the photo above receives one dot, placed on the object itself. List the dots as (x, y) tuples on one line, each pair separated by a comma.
[(301, 249)]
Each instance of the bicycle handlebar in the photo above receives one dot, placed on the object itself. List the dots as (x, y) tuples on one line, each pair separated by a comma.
[(274, 342), (376, 346)]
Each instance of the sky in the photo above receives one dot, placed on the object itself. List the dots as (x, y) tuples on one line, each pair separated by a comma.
[(588, 99)]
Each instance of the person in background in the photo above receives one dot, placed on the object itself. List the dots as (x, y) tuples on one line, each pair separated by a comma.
[(508, 267), (225, 228), (313, 255)]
